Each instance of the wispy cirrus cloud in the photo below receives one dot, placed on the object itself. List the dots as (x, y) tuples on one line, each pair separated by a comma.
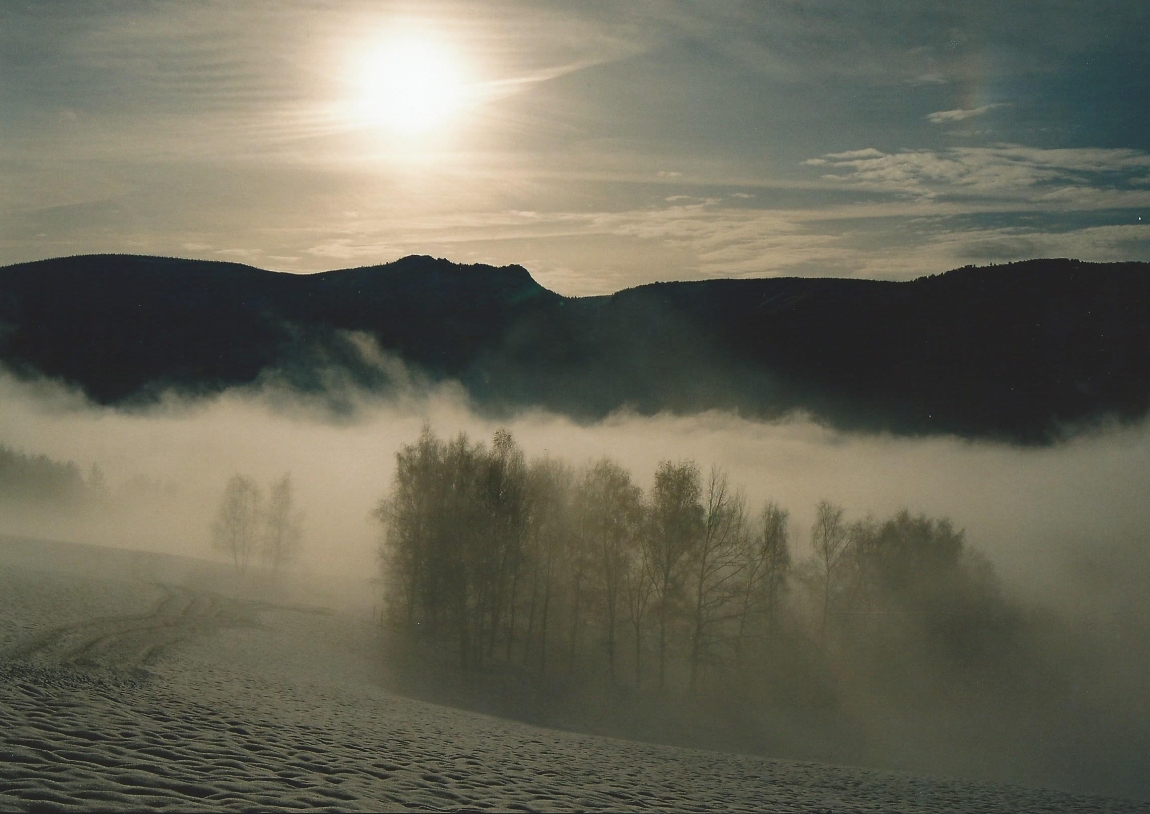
[(1043, 178), (703, 237), (615, 144), (700, 238), (962, 114)]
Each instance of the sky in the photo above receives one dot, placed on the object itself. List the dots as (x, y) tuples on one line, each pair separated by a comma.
[(600, 145)]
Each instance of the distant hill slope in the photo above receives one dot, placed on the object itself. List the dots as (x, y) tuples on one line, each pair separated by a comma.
[(1016, 352)]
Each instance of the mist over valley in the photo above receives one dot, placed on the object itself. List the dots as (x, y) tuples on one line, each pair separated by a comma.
[(574, 406), (1049, 699)]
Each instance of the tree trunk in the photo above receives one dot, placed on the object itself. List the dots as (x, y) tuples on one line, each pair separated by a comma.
[(826, 605), (638, 654), (575, 623), (511, 616), (543, 621), (531, 613), (663, 647), (697, 638), (611, 642)]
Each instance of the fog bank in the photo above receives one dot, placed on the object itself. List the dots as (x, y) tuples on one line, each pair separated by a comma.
[(1066, 522)]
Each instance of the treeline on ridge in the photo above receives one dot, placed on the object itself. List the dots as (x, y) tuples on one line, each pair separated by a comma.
[(561, 570)]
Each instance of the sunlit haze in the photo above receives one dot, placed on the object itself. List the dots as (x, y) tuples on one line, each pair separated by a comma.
[(411, 86), (600, 145), (575, 406)]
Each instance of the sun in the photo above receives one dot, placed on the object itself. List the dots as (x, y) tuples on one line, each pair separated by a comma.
[(412, 86)]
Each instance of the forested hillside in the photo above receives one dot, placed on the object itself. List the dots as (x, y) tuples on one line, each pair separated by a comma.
[(1025, 352)]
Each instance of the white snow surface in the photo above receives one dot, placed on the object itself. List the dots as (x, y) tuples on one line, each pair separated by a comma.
[(149, 687)]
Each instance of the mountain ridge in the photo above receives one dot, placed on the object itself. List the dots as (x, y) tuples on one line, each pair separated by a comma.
[(1015, 352)]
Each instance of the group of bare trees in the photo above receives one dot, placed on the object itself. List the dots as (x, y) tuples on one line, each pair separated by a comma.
[(670, 608), (537, 564), (907, 576), (250, 526), (546, 566)]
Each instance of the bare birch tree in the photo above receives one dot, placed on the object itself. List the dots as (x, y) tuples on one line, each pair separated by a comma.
[(638, 585), (676, 523), (409, 514), (715, 565), (236, 530), (282, 526), (767, 559), (828, 539), (505, 499), (612, 509), (549, 529)]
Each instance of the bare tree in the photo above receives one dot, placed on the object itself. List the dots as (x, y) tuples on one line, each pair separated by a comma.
[(577, 567), (461, 563), (505, 496), (828, 539), (715, 564), (410, 514), (611, 507), (283, 526), (776, 555), (549, 529), (857, 581), (676, 523), (236, 530), (435, 551), (767, 562), (638, 586)]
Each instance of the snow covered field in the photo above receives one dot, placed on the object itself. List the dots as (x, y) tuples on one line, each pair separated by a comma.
[(130, 681)]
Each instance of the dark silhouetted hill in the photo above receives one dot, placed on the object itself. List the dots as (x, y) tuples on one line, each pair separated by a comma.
[(1021, 352)]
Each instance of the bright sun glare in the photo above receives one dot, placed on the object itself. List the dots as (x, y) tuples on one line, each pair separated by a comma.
[(412, 86)]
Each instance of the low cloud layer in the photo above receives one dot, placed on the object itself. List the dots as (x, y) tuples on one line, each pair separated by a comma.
[(1065, 524)]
